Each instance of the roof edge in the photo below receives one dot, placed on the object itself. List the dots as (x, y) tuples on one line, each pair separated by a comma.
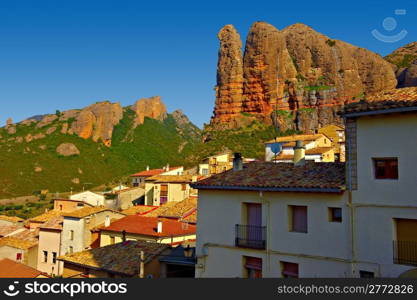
[(269, 189), (379, 112)]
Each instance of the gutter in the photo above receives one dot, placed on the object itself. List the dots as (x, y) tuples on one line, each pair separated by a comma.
[(269, 189), (380, 112)]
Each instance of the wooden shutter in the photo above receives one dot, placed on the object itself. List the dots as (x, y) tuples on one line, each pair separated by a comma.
[(299, 215)]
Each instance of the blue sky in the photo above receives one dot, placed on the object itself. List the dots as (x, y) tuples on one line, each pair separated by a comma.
[(69, 54)]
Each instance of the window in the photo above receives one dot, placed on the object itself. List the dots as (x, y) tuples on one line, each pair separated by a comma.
[(184, 187), (298, 218), (253, 267), (70, 249), (111, 240), (204, 172), (71, 235), (45, 256), (335, 214), (54, 257), (386, 168), (18, 256), (289, 270), (366, 274), (163, 196)]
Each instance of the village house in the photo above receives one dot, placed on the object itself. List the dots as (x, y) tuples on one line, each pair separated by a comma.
[(138, 179), (266, 219), (12, 269), (381, 178), (125, 259), (154, 229), (160, 189), (49, 247), (336, 134), (123, 199), (37, 221), (318, 148), (216, 164), (19, 249), (77, 225), (89, 197)]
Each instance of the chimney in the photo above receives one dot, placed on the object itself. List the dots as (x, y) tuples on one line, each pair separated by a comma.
[(299, 153), (124, 236), (237, 162), (147, 168), (159, 227), (107, 221), (167, 167)]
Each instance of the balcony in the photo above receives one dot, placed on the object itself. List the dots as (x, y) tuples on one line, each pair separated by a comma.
[(405, 252), (249, 236)]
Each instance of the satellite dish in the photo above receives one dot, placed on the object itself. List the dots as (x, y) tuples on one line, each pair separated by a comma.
[(276, 148)]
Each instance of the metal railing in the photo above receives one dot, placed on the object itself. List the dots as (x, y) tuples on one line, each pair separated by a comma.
[(249, 236), (405, 252)]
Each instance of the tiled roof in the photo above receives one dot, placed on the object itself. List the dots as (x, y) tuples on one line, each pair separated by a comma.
[(190, 217), (29, 235), (296, 137), (11, 219), (86, 211), (139, 209), (174, 209), (8, 229), (171, 178), (269, 176), (142, 225), (121, 258), (405, 98), (312, 151), (50, 214), (153, 172), (17, 243), (12, 269), (55, 223)]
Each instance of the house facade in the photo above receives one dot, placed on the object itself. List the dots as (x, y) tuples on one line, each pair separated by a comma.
[(216, 164), (138, 179), (91, 198)]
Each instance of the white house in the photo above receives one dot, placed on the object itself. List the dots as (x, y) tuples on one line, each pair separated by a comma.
[(89, 197)]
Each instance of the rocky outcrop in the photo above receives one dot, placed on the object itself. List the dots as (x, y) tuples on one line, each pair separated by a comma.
[(46, 120), (229, 88), (97, 121), (184, 125), (151, 107), (67, 149), (297, 70), (404, 63)]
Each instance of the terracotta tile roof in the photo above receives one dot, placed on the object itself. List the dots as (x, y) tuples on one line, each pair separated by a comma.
[(153, 172), (405, 98), (50, 214), (11, 219), (174, 209), (121, 258), (17, 243), (12, 269), (296, 137), (142, 225), (139, 209), (30, 235), (171, 178), (8, 229), (86, 211), (190, 217), (55, 223), (269, 176)]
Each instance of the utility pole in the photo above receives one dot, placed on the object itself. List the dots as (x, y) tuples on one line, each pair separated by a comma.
[(142, 265)]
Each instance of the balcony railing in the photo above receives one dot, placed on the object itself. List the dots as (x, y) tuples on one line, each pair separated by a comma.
[(249, 236), (405, 252)]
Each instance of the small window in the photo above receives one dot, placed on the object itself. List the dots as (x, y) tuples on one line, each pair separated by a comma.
[(298, 218), (386, 168), (18, 256), (54, 257), (289, 270), (71, 235), (335, 214), (112, 240), (253, 267), (366, 274), (184, 187), (45, 256), (70, 249)]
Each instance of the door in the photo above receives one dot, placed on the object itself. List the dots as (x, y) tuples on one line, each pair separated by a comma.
[(254, 223)]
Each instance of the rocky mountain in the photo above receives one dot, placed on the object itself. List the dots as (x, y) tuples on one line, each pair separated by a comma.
[(99, 144), (404, 63), (295, 78)]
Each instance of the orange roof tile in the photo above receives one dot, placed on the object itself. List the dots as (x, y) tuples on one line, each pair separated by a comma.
[(153, 172), (296, 137), (8, 229), (12, 269), (86, 211), (174, 209), (285, 177), (171, 178), (139, 209), (14, 242), (143, 225)]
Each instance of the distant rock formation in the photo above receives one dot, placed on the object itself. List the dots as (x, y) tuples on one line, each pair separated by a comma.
[(67, 149), (404, 64), (151, 107), (97, 121), (296, 70)]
